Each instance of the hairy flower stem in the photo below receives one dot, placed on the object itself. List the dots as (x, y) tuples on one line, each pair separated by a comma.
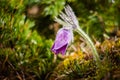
[(90, 44)]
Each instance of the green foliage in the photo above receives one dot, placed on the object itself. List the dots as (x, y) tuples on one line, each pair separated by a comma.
[(53, 7), (20, 46), (25, 40)]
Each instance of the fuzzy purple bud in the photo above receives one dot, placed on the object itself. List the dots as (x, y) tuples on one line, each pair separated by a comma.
[(63, 39)]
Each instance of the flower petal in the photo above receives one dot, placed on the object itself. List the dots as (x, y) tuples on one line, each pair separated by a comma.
[(61, 50), (63, 39)]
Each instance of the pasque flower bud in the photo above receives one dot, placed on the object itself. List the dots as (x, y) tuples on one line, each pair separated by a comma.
[(63, 39)]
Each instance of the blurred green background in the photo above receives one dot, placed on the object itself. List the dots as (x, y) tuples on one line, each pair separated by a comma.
[(27, 32)]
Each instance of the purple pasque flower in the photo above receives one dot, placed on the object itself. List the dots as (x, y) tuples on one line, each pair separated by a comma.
[(65, 34), (63, 39)]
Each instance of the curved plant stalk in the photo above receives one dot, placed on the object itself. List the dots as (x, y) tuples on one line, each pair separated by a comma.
[(69, 19), (90, 44)]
